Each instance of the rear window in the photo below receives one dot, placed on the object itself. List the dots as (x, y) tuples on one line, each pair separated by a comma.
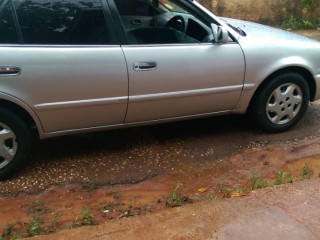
[(8, 33), (56, 22)]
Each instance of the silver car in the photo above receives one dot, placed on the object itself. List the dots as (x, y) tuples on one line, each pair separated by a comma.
[(72, 66)]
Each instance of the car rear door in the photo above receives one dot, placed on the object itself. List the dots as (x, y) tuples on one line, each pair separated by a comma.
[(174, 73), (72, 71)]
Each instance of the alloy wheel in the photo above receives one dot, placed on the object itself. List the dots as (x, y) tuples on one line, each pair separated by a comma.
[(284, 103)]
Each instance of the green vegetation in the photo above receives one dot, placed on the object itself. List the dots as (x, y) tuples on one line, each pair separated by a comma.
[(176, 198), (9, 233), (13, 231), (258, 182), (87, 218), (307, 3), (307, 171), (295, 23), (39, 223), (283, 177), (234, 192), (34, 228)]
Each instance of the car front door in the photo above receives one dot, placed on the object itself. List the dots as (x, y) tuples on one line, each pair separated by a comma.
[(175, 69), (72, 71)]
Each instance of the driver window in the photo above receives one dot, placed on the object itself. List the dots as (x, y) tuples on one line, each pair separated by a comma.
[(161, 22)]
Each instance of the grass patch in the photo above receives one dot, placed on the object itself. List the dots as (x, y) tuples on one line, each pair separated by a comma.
[(34, 228), (13, 231), (9, 232), (87, 217), (283, 178), (84, 218), (258, 182), (307, 171), (234, 192), (176, 198)]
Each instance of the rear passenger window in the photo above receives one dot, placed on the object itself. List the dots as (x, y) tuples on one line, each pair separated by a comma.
[(62, 22), (8, 33)]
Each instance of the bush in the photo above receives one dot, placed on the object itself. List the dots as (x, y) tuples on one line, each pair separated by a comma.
[(295, 23), (307, 3)]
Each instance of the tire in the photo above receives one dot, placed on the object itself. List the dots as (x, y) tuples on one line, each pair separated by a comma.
[(281, 103), (15, 143)]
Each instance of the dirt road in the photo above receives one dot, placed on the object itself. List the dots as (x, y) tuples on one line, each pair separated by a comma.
[(284, 212)]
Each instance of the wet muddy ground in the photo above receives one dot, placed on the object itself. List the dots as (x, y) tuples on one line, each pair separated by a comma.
[(88, 179), (145, 170)]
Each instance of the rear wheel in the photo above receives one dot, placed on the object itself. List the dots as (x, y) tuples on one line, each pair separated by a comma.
[(282, 102), (15, 143)]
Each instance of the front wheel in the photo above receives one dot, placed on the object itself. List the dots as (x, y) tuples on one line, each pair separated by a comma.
[(282, 102), (15, 143)]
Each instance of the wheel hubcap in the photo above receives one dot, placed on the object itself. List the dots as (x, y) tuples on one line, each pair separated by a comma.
[(284, 103), (8, 145)]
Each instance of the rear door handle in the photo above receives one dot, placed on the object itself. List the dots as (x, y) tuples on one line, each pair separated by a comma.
[(9, 70), (144, 66)]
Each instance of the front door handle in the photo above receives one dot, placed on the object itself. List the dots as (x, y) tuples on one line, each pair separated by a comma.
[(9, 70), (144, 66)]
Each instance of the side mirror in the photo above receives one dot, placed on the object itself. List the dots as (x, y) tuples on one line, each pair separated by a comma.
[(220, 34)]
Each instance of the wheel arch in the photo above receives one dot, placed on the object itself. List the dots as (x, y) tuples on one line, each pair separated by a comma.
[(28, 116), (299, 70)]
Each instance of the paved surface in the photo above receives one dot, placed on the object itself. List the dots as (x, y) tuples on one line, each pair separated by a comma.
[(285, 212)]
